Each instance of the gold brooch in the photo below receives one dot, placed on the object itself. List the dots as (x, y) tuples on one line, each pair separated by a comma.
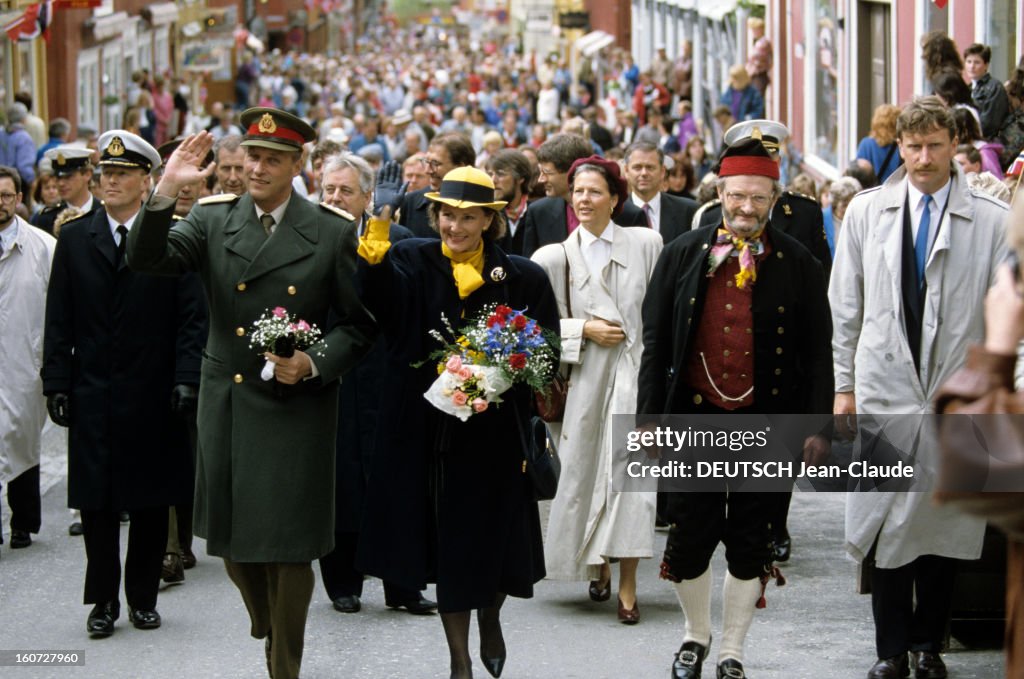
[(497, 274), (116, 147), (267, 124)]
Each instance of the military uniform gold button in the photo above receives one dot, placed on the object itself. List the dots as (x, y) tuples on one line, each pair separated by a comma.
[(728, 307), (778, 371), (782, 309), (238, 379), (726, 352), (240, 287), (725, 376), (240, 332), (749, 331), (781, 330), (779, 255), (728, 284), (692, 300), (775, 392), (697, 399), (778, 350), (291, 290), (726, 329)]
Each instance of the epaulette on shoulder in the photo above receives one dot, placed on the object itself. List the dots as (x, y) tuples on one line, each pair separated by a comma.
[(177, 218), (338, 211), (801, 196), (704, 207), (219, 198), (54, 208)]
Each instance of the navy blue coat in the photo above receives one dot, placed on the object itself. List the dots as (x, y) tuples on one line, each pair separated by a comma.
[(118, 342), (448, 501)]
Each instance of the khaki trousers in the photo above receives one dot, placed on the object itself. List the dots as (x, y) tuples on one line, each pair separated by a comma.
[(277, 596)]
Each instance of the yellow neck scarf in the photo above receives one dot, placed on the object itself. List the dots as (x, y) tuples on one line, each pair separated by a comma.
[(467, 268)]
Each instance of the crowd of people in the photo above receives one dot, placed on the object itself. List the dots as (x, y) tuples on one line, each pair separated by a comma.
[(382, 196)]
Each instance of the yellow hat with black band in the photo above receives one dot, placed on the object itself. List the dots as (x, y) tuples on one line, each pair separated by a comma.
[(272, 128), (121, 148), (467, 187)]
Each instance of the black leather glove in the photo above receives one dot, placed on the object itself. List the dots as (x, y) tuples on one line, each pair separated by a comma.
[(59, 407), (390, 190), (184, 399)]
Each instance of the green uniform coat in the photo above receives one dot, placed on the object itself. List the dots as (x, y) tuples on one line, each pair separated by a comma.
[(265, 468)]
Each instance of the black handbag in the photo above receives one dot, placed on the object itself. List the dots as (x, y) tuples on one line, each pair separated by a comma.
[(539, 459)]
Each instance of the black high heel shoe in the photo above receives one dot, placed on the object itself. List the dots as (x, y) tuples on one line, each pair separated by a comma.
[(496, 662)]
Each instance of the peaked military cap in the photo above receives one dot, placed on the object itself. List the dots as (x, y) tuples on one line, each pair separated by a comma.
[(66, 160), (120, 148), (275, 129), (769, 132)]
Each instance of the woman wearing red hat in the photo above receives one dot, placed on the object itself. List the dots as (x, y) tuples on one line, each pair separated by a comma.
[(600, 274)]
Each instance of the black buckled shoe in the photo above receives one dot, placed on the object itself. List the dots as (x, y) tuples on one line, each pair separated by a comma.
[(20, 539), (418, 606), (75, 529), (782, 547), (172, 571), (144, 619), (730, 668), (348, 603), (895, 667), (689, 659), (928, 665), (101, 619)]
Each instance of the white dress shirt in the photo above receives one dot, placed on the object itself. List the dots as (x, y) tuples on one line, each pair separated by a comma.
[(597, 250), (654, 216), (936, 208)]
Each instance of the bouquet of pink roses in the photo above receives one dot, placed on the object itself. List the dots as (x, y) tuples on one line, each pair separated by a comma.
[(278, 333), (501, 348)]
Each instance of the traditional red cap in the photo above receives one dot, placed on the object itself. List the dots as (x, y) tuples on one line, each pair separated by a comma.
[(748, 157)]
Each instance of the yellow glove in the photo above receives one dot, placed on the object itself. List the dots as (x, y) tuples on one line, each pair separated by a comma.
[(375, 241)]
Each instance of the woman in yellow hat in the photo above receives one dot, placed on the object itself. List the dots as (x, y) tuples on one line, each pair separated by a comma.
[(448, 500)]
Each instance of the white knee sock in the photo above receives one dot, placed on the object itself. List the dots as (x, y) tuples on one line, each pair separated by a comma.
[(739, 602), (695, 598)]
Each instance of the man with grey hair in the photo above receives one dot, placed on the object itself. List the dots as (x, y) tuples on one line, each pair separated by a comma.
[(229, 157), (59, 131), (17, 149), (348, 184)]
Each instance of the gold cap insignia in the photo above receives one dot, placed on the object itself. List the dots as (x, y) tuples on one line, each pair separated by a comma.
[(497, 274), (61, 160), (756, 133), (116, 147), (267, 124), (787, 210)]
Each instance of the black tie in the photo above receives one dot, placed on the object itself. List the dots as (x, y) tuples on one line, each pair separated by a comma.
[(122, 235)]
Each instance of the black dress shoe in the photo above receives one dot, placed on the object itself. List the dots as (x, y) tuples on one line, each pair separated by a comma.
[(188, 559), (173, 570), (492, 648), (782, 546), (730, 668), (347, 604), (101, 619), (418, 606), (598, 593), (895, 667), (928, 665), (20, 539), (144, 619), (76, 528), (689, 659)]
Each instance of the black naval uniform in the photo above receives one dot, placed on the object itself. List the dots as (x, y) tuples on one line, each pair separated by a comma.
[(46, 217)]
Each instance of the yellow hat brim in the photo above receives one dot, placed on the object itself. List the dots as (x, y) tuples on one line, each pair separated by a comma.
[(455, 202)]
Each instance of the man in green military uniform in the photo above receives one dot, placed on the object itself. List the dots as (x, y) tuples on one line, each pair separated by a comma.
[(265, 468), (794, 214)]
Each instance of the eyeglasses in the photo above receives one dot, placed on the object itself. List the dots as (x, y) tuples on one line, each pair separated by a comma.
[(432, 164), (8, 197), (756, 199)]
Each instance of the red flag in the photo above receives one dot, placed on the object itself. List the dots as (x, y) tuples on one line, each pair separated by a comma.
[(33, 23)]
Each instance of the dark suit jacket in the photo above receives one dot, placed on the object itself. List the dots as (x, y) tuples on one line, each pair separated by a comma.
[(118, 342), (676, 215), (545, 222), (792, 328), (47, 216), (413, 215)]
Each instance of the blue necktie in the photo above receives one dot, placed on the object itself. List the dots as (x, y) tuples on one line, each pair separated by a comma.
[(921, 243)]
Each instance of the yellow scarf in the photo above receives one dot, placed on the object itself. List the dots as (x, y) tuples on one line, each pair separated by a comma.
[(467, 268)]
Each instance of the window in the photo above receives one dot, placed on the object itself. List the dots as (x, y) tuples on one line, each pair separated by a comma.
[(823, 84), (1001, 18), (161, 51), (113, 86), (89, 88)]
